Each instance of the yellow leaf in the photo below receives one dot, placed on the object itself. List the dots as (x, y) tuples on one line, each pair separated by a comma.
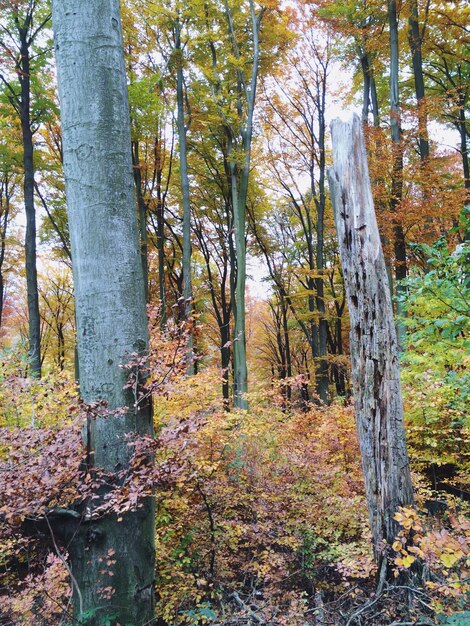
[(449, 558), (406, 561)]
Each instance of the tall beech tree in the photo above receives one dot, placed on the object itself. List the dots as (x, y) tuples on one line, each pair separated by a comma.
[(22, 27), (110, 303), (239, 159)]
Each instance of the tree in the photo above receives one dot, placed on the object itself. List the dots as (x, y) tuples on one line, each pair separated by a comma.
[(212, 225), (239, 155), (23, 27), (296, 144), (110, 305), (376, 376), (396, 192), (182, 123), (57, 315), (447, 71), (152, 165), (8, 185), (415, 38)]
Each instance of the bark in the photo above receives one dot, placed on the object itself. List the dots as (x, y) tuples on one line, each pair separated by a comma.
[(239, 178), (374, 100), (183, 154), (142, 211), (221, 302), (322, 370), (285, 330), (399, 244), (463, 132), (375, 369), (462, 128), (369, 97), (110, 299), (34, 320), (160, 214), (414, 37), (4, 221), (2, 295), (366, 87)]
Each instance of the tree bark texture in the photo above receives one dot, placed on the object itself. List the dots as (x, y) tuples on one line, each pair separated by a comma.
[(110, 299), (142, 212), (186, 200), (34, 320), (399, 244), (239, 179), (4, 222), (414, 37), (375, 369)]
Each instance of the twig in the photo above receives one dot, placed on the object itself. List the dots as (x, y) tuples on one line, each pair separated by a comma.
[(246, 608), (66, 565)]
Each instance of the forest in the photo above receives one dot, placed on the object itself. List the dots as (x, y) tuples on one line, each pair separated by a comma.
[(234, 313)]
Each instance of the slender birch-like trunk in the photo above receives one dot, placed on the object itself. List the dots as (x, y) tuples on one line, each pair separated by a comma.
[(110, 302), (375, 369)]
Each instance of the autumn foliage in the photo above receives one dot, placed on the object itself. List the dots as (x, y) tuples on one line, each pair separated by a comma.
[(260, 515)]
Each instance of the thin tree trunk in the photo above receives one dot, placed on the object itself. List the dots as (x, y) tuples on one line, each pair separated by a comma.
[(414, 37), (239, 192), (399, 243), (240, 374), (463, 132), (34, 319), (183, 154), (322, 374), (366, 87), (160, 213), (375, 369), (2, 295), (142, 210), (374, 100), (5, 205), (462, 127), (110, 301), (225, 358), (285, 330)]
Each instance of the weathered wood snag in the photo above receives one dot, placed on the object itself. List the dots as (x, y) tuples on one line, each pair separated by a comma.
[(374, 354)]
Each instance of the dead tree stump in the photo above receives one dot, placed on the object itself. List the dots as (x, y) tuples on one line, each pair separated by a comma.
[(374, 351)]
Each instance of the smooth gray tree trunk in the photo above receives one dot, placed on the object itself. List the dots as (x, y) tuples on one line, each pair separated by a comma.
[(375, 369), (110, 300), (239, 180)]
